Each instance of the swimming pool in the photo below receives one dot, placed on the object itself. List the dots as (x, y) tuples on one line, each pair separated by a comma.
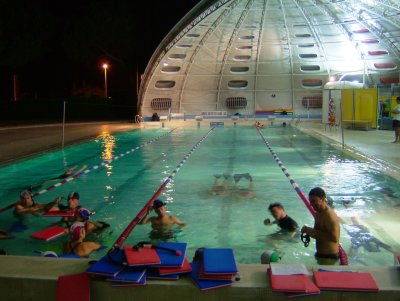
[(118, 191)]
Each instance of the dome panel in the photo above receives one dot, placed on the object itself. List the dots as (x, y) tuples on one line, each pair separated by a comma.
[(271, 53)]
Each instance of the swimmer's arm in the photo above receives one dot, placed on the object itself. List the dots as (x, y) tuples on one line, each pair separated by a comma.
[(146, 219), (52, 206), (332, 235), (268, 222), (179, 222), (21, 209)]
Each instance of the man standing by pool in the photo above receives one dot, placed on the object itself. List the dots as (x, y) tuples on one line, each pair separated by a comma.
[(162, 224), (326, 230), (396, 121)]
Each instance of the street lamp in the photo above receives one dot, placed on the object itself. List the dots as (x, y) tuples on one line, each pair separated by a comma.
[(105, 67)]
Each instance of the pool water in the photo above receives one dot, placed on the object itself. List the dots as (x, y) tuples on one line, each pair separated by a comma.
[(120, 189)]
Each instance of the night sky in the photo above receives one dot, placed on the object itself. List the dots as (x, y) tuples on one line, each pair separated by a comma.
[(54, 46)]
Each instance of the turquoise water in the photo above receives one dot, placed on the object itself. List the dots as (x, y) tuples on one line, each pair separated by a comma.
[(120, 189)]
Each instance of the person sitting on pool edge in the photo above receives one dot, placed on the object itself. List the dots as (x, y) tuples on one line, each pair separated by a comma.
[(26, 205), (162, 224), (77, 245), (284, 221)]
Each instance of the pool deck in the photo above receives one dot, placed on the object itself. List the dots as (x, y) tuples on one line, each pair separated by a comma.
[(21, 142), (27, 278)]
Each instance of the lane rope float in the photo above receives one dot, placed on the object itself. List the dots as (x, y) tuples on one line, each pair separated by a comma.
[(124, 235), (88, 170), (343, 256)]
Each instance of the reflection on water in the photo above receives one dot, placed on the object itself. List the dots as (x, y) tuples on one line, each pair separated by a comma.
[(108, 142)]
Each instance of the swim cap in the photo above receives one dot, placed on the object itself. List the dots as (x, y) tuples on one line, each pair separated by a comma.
[(73, 195), (158, 204), (84, 213), (269, 256), (76, 230)]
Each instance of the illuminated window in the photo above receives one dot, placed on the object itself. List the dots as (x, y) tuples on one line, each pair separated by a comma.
[(311, 83), (378, 52)]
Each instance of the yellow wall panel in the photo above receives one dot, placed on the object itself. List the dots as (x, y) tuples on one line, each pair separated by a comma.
[(360, 104)]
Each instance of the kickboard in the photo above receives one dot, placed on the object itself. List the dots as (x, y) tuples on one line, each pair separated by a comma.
[(73, 287), (206, 284), (185, 268), (110, 265), (58, 214), (219, 261), (141, 257), (170, 258), (49, 233), (345, 281)]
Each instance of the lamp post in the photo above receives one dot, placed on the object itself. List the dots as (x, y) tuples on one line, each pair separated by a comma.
[(105, 67)]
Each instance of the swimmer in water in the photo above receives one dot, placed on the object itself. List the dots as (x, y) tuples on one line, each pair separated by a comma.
[(163, 225), (68, 173)]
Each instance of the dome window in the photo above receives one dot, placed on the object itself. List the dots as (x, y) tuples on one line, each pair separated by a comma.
[(242, 57), (170, 69), (310, 68), (165, 84), (239, 69), (308, 55), (238, 84), (311, 83), (177, 56)]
